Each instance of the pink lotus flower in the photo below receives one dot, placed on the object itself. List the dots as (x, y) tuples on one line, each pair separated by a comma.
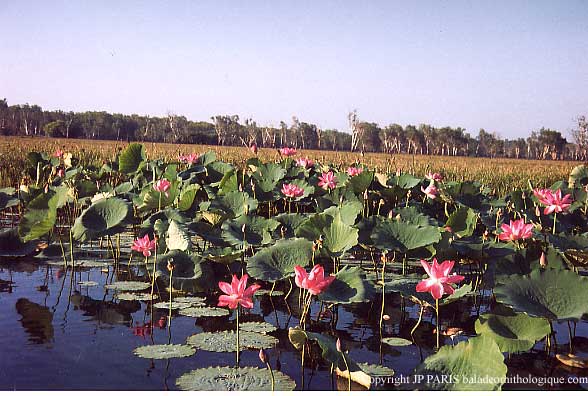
[(288, 151), (189, 159), (315, 281), (327, 180), (61, 172), (237, 293), (354, 171), (439, 279), (515, 231), (431, 191), (553, 200), (434, 176), (292, 191), (162, 186), (59, 153), (144, 245), (305, 162), (253, 148)]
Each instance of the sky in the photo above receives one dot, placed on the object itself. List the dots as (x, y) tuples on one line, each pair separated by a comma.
[(509, 67)]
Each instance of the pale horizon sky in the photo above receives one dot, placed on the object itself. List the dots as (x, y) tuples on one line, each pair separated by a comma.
[(506, 66)]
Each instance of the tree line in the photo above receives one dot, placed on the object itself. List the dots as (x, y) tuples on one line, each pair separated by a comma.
[(230, 130)]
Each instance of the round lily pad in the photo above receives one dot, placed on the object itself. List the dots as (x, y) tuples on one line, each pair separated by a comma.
[(375, 370), (258, 327), (275, 293), (396, 341), (136, 296), (197, 312), (234, 379), (175, 305), (164, 351), (192, 300), (88, 283), (226, 341), (128, 285)]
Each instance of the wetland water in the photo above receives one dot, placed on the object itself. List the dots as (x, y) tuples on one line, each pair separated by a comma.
[(60, 334)]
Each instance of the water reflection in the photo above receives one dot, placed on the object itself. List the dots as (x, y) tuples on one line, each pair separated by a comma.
[(36, 320), (105, 311)]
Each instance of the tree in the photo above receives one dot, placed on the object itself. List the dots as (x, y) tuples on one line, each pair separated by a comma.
[(580, 136), (356, 130)]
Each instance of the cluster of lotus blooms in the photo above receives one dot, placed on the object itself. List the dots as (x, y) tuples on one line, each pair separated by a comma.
[(440, 279)]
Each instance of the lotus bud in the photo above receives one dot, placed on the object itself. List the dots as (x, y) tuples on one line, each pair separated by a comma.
[(381, 202), (499, 212), (537, 211), (240, 188), (339, 349), (543, 260), (384, 258), (398, 171), (243, 228), (386, 317), (365, 194), (391, 214), (262, 356), (170, 266), (409, 194)]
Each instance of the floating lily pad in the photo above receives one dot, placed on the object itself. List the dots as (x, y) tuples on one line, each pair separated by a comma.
[(479, 357), (128, 285), (396, 341), (226, 341), (165, 305), (258, 327), (88, 283), (197, 312), (164, 351), (264, 292), (137, 296), (192, 300), (234, 379)]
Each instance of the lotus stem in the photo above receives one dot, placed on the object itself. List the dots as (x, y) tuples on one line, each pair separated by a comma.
[(71, 253), (159, 203), (290, 290), (437, 321), (348, 371), (237, 312), (554, 220), (418, 321), (570, 335), (169, 316), (269, 367), (62, 251)]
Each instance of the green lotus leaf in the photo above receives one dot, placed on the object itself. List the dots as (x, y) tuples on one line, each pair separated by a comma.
[(223, 255), (405, 181), (194, 301), (361, 182), (406, 285), (396, 341), (150, 199), (234, 379), (188, 197), (551, 294), (257, 230), (479, 357), (216, 170), (462, 221), (128, 285), (267, 176), (403, 237), (348, 287), (197, 312), (308, 189), (513, 332), (412, 215), (131, 158), (228, 183), (578, 175), (177, 237), (339, 237), (164, 351), (289, 223), (348, 211), (266, 292), (8, 198), (174, 305), (104, 217), (191, 273), (40, 215), (226, 341), (12, 246), (278, 261), (234, 204), (257, 327), (137, 296)]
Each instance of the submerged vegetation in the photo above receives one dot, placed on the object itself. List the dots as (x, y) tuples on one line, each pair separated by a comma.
[(320, 236)]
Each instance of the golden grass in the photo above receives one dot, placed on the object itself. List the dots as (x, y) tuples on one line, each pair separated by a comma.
[(502, 174)]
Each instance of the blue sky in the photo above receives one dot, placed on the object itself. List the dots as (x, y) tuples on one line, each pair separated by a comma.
[(506, 66)]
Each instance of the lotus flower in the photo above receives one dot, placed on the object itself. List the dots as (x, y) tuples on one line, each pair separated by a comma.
[(189, 159), (253, 148), (59, 153), (434, 176), (288, 151), (431, 191), (327, 180), (354, 171), (439, 279), (515, 231), (292, 191), (144, 245), (236, 293), (61, 172), (315, 281), (553, 200), (305, 162), (162, 186)]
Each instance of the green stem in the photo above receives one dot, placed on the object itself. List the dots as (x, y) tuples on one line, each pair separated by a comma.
[(554, 220), (71, 254), (159, 205), (237, 311), (437, 321), (418, 321), (171, 272), (348, 372), (272, 374)]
